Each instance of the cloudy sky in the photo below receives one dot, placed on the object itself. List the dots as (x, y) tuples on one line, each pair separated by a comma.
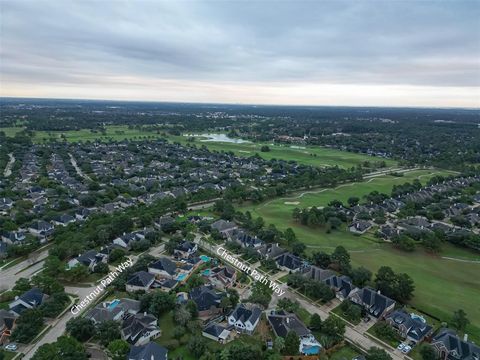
[(383, 52)]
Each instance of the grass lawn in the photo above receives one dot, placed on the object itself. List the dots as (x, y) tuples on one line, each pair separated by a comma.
[(346, 352), (113, 132), (308, 155), (12, 130), (379, 335), (442, 285), (340, 313), (7, 355)]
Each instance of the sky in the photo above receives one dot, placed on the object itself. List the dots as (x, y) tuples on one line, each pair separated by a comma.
[(358, 52)]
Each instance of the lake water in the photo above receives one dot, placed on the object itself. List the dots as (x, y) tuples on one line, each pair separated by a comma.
[(219, 138)]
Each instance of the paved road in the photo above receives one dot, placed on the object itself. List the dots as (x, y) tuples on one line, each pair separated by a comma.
[(8, 169), (58, 326), (351, 333), (26, 269)]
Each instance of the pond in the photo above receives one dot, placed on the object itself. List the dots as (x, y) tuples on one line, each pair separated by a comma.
[(218, 138)]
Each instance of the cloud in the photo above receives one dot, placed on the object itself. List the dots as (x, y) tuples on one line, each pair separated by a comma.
[(259, 45)]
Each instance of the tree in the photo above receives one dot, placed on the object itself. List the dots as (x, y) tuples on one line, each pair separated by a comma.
[(361, 276), (108, 331), (428, 353), (298, 248), (192, 308), (22, 285), (333, 326), (81, 328), (197, 346), (404, 287), (28, 326), (182, 316), (265, 148), (101, 268), (160, 303), (353, 200), (460, 320), (292, 343), (315, 322), (341, 257), (279, 344), (377, 354), (65, 348), (118, 349)]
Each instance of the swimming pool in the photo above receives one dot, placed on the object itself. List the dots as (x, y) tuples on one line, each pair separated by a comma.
[(205, 258), (311, 350), (206, 272), (113, 304), (181, 277)]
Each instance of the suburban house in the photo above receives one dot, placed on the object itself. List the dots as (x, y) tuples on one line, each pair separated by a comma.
[(90, 259), (317, 273), (245, 240), (7, 323), (244, 318), (283, 322), (140, 281), (164, 222), (342, 285), (373, 302), (63, 220), (13, 237), (125, 241), (449, 346), (163, 267), (270, 251), (216, 332), (224, 227), (140, 328), (289, 262), (82, 213), (359, 226), (207, 300), (185, 250), (28, 300), (149, 351), (222, 277), (410, 326), (113, 310), (41, 228)]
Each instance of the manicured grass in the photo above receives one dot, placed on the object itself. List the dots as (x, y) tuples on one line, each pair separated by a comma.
[(11, 131), (442, 285), (373, 331), (308, 155), (113, 132), (7, 355), (346, 352)]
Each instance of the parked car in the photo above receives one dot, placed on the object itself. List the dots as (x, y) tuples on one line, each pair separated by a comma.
[(11, 347), (400, 346)]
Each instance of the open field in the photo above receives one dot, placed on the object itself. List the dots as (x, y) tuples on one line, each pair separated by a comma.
[(308, 155), (442, 285), (11, 131)]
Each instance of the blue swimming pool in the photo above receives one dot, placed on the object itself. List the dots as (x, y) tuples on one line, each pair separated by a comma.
[(311, 350), (206, 272), (205, 258), (181, 277), (113, 304)]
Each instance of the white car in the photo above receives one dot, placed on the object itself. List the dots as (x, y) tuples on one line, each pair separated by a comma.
[(11, 347), (401, 346), (406, 349)]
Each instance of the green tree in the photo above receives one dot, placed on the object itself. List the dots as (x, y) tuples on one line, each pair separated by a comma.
[(361, 276), (197, 346), (315, 322), (29, 324), (428, 353), (22, 285), (292, 343), (118, 349), (460, 320), (333, 326), (65, 348), (108, 331), (377, 354), (81, 328)]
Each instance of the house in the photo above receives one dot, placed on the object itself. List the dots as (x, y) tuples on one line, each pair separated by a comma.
[(164, 222), (216, 332), (245, 240), (5, 203), (90, 259), (449, 346), (13, 237), (7, 323), (317, 273), (224, 227), (63, 220), (342, 285), (289, 262), (359, 226), (113, 310), (149, 351), (185, 250), (270, 251), (244, 318), (282, 323), (140, 328), (28, 300), (164, 267), (126, 240), (140, 281), (207, 300), (375, 303), (410, 326), (222, 277), (82, 214), (41, 228)]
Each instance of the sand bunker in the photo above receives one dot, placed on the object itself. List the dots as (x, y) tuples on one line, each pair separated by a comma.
[(292, 202)]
